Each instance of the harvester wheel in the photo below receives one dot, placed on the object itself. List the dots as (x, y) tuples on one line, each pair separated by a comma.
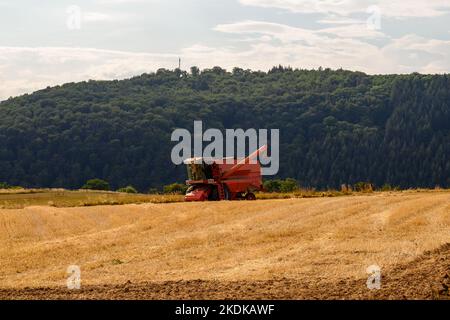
[(227, 193), (214, 194), (250, 196)]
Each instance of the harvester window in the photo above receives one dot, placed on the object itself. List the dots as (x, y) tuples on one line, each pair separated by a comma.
[(197, 172)]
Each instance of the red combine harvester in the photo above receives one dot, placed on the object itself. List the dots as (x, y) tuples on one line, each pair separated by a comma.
[(224, 180)]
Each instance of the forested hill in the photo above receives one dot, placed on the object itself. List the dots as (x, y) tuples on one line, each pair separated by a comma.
[(335, 126)]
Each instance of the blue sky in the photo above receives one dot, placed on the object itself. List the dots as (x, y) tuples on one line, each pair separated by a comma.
[(46, 43)]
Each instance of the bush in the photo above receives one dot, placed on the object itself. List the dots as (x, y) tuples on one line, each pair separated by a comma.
[(175, 188), (272, 185), (4, 185), (128, 189), (285, 186), (288, 185), (96, 184), (364, 187), (153, 191)]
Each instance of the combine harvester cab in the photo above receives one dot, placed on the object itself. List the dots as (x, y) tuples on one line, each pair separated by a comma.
[(213, 180)]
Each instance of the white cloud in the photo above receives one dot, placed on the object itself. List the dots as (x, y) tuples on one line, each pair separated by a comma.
[(281, 32), (389, 8), (341, 46), (123, 1), (310, 6), (99, 17), (355, 30), (333, 19), (415, 53), (26, 69), (286, 33)]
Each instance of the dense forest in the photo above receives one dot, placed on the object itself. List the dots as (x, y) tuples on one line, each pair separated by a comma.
[(336, 127)]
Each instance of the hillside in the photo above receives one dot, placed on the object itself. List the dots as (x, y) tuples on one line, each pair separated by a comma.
[(288, 249), (336, 126)]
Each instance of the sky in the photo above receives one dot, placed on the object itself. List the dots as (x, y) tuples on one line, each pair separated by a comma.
[(46, 43)]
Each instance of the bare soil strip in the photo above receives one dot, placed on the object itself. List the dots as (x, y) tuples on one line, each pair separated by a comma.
[(427, 277)]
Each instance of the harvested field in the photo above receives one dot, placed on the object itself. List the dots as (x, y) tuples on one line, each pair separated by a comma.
[(317, 248)]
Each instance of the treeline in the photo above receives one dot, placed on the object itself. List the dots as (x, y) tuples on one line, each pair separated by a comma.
[(336, 127)]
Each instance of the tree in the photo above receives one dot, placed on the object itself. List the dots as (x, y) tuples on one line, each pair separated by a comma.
[(195, 71), (337, 127)]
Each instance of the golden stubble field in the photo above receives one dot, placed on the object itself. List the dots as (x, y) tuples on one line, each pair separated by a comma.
[(317, 240)]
